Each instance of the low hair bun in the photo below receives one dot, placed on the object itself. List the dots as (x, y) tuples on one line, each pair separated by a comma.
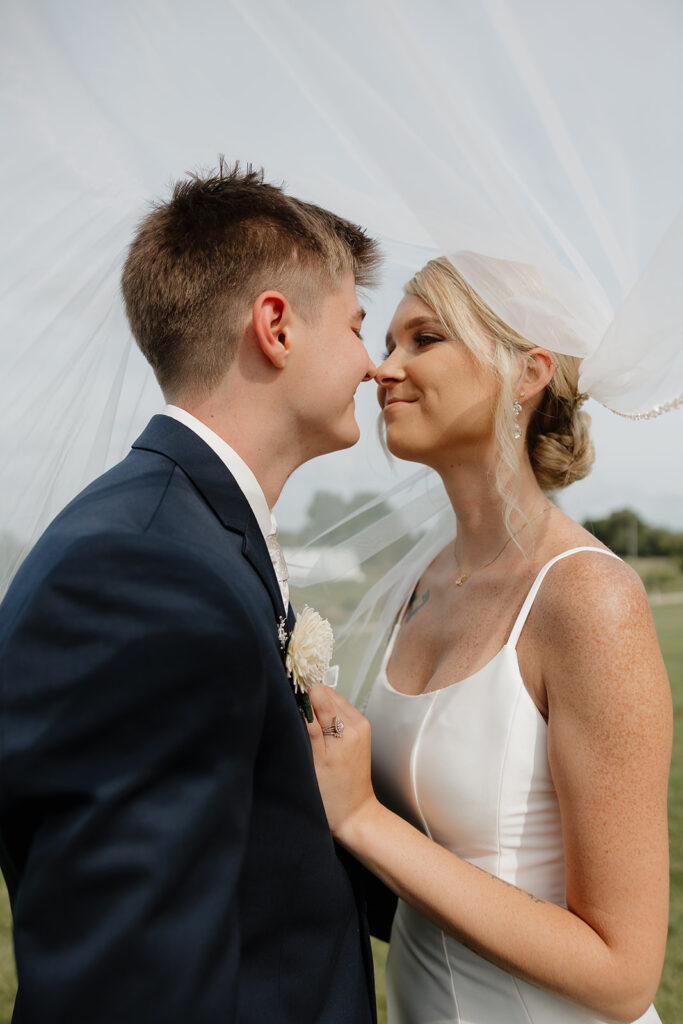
[(565, 453)]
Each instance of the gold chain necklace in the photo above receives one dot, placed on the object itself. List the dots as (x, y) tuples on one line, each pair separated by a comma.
[(464, 576)]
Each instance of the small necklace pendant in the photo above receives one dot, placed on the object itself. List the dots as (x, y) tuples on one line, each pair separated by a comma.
[(461, 579)]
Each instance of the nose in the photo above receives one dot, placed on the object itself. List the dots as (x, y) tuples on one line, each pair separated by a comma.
[(389, 371)]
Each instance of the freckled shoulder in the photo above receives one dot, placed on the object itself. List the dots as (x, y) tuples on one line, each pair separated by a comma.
[(592, 622), (587, 589)]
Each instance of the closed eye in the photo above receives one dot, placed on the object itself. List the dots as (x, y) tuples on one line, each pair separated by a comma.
[(426, 339)]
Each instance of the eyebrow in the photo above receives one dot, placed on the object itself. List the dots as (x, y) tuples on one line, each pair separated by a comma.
[(418, 321), (360, 314)]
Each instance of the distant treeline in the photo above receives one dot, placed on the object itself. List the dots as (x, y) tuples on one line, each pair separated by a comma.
[(622, 531), (627, 535), (327, 508)]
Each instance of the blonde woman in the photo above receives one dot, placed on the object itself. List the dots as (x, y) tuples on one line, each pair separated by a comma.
[(521, 720)]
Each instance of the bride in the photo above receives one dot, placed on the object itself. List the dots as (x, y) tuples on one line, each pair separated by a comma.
[(521, 720)]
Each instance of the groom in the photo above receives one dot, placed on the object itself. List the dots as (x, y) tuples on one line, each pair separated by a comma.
[(161, 831)]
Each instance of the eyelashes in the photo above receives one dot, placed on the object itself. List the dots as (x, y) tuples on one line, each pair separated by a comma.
[(426, 339), (421, 340)]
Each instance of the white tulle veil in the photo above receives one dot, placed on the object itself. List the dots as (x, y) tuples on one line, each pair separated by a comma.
[(538, 144)]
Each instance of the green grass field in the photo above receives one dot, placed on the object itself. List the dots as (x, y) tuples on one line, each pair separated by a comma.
[(669, 622), (669, 1002)]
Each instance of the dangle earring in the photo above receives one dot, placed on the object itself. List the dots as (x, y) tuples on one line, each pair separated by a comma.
[(517, 408)]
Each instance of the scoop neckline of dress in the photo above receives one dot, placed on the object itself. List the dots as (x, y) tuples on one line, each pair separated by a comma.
[(448, 686), (506, 645)]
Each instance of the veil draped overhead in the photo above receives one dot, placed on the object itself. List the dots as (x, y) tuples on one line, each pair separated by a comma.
[(540, 144)]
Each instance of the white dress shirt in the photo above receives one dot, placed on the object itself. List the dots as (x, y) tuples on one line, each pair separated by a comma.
[(249, 486)]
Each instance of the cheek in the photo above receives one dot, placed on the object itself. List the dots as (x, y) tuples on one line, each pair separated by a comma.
[(347, 371), (445, 416), (473, 422), (360, 361)]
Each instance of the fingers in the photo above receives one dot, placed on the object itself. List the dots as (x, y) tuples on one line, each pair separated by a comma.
[(325, 706), (325, 710), (328, 706)]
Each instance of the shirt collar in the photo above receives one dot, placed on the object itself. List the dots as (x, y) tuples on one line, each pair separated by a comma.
[(244, 477)]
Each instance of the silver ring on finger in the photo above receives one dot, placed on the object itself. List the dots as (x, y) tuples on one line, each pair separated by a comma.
[(336, 729)]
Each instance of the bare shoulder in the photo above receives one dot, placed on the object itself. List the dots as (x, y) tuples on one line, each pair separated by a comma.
[(590, 589), (593, 625)]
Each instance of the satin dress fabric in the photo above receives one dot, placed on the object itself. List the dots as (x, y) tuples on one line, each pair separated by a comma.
[(467, 764)]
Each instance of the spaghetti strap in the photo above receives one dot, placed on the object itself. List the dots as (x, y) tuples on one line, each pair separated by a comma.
[(535, 586)]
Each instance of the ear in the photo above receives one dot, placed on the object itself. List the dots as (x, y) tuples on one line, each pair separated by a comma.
[(538, 370), (271, 319)]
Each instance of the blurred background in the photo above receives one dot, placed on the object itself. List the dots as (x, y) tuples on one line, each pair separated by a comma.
[(544, 132)]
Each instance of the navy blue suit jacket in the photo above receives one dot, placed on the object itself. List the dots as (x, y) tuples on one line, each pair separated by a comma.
[(162, 833)]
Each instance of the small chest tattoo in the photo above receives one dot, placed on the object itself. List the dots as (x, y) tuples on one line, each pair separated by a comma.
[(415, 604)]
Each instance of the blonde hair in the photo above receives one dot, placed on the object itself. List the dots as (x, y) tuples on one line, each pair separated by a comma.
[(557, 440)]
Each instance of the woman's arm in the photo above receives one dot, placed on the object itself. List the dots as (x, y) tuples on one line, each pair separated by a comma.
[(609, 746)]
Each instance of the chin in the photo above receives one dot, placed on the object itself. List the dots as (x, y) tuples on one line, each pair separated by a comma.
[(402, 448), (349, 430), (345, 437), (350, 437)]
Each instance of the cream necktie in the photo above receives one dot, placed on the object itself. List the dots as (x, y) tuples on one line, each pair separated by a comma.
[(280, 566)]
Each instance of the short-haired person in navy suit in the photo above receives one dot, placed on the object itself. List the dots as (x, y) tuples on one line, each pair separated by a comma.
[(162, 833)]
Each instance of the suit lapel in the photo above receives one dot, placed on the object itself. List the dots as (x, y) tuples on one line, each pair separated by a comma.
[(255, 551), (218, 487)]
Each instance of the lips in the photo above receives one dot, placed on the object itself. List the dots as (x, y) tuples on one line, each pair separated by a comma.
[(398, 401)]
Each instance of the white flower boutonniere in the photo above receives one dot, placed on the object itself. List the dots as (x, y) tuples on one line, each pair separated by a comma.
[(308, 655)]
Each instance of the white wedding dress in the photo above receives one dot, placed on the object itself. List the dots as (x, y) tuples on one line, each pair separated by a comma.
[(467, 764)]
